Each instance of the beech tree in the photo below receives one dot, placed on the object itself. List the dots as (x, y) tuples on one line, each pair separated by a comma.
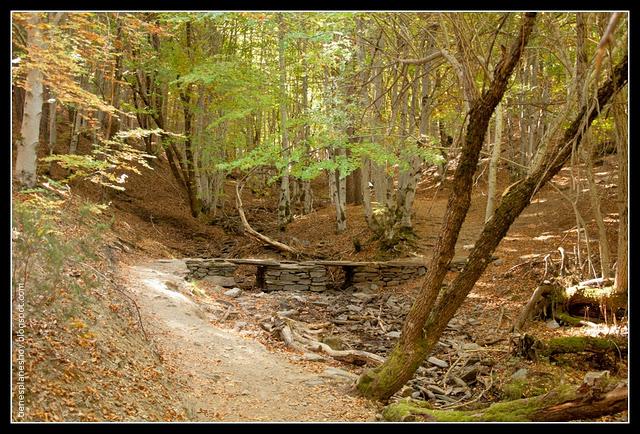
[(435, 306), (417, 339), (30, 129)]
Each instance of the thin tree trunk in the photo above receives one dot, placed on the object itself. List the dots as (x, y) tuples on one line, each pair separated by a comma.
[(366, 192), (581, 70), (365, 165), (408, 178), (75, 131), (493, 165), (113, 124), (284, 201), (338, 190), (53, 134), (378, 171), (27, 149), (522, 118), (620, 117), (533, 122), (603, 242), (307, 194)]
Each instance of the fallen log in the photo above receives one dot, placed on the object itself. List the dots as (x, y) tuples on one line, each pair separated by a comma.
[(599, 293), (257, 235), (565, 304), (532, 348), (565, 403)]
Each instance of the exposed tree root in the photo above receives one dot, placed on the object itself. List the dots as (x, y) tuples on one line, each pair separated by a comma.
[(298, 336)]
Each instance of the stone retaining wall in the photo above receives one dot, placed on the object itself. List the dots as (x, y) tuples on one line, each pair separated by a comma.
[(386, 275), (292, 277), (272, 275), (217, 271)]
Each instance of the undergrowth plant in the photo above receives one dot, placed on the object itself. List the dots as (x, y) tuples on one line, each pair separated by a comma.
[(48, 249)]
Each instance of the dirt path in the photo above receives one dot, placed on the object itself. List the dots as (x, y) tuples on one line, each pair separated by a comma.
[(228, 377)]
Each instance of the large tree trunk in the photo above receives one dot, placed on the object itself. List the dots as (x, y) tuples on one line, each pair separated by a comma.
[(27, 149), (414, 343), (354, 186), (185, 95), (426, 322)]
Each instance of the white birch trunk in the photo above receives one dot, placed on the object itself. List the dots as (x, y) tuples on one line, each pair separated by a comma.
[(27, 149)]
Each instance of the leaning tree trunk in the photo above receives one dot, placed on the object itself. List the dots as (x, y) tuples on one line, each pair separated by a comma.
[(408, 354), (27, 149), (414, 343)]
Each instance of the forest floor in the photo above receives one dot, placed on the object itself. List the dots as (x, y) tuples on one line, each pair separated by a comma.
[(226, 367)]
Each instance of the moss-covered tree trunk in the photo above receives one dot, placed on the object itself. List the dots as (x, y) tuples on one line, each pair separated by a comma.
[(563, 403), (415, 343)]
